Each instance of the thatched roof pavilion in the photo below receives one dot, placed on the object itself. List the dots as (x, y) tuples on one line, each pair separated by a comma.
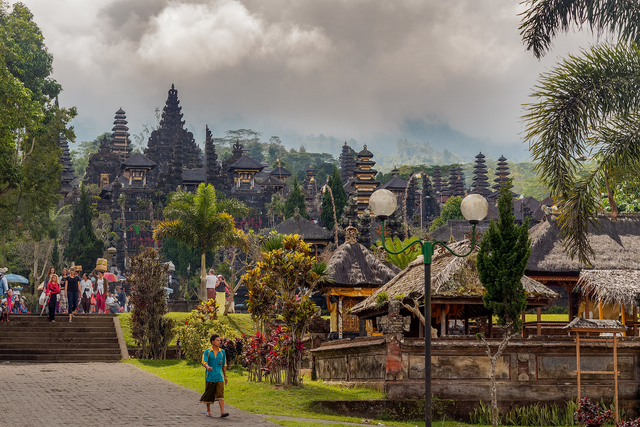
[(355, 274), (353, 265), (455, 287), (612, 286), (616, 246)]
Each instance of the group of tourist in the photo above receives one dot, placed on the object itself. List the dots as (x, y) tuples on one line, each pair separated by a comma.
[(70, 293)]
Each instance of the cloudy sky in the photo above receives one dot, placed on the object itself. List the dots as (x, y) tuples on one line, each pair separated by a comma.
[(343, 68)]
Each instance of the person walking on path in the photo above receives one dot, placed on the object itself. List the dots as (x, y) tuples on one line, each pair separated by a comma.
[(214, 360), (4, 288), (63, 288), (86, 288), (53, 290), (212, 280), (73, 292), (102, 285)]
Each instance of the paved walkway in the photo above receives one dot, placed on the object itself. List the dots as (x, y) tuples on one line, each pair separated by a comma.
[(102, 394)]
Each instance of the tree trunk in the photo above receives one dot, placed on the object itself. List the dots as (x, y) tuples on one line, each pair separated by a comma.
[(612, 202), (36, 248), (495, 414), (44, 269), (203, 276)]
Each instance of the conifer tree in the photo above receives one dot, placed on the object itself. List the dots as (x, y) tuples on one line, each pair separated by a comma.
[(339, 197), (502, 259), (83, 247), (295, 200)]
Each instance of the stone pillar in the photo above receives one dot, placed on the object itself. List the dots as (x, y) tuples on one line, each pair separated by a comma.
[(393, 326)]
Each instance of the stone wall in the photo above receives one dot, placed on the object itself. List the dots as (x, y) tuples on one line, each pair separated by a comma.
[(537, 369)]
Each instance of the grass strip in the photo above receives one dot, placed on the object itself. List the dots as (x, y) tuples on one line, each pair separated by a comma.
[(266, 399)]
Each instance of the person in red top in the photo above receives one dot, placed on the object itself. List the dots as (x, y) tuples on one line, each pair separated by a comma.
[(53, 290)]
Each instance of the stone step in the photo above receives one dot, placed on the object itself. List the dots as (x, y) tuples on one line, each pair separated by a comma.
[(84, 340), (57, 335), (20, 346), (63, 358), (45, 319), (68, 351), (62, 327), (32, 338)]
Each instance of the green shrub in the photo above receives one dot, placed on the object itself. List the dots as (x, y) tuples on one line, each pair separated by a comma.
[(197, 329), (532, 415)]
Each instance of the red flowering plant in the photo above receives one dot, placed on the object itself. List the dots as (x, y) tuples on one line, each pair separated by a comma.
[(282, 282), (267, 358), (589, 414)]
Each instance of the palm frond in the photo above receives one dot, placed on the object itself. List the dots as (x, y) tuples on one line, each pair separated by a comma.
[(587, 106), (619, 143), (544, 19)]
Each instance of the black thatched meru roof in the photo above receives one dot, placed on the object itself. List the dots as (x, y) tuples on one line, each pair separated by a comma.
[(353, 265), (309, 230)]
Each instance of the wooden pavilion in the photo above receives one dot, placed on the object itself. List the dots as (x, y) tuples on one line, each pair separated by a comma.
[(356, 274), (456, 293), (616, 247)]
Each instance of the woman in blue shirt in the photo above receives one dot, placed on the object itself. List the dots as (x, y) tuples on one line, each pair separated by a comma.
[(214, 360)]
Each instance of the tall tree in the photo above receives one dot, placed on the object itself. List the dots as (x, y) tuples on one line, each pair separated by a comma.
[(202, 221), (31, 122), (151, 330), (83, 247), (340, 199), (502, 259), (295, 200), (585, 106)]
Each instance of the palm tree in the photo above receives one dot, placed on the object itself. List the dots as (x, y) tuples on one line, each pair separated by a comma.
[(586, 107), (202, 221), (543, 19)]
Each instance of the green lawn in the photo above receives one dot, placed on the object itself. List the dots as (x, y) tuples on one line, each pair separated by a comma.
[(261, 398), (241, 323)]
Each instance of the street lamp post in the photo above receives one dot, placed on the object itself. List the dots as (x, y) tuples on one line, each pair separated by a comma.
[(474, 208)]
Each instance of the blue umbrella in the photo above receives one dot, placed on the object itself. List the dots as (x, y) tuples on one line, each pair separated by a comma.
[(16, 278)]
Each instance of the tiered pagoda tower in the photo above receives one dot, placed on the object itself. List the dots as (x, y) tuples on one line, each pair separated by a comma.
[(120, 142), (347, 164), (502, 174), (68, 176), (456, 182), (480, 183), (365, 183), (169, 137)]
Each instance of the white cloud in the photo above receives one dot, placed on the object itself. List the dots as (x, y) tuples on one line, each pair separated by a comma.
[(200, 38)]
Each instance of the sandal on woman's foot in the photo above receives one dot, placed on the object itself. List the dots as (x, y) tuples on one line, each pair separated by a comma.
[(225, 415), (206, 414)]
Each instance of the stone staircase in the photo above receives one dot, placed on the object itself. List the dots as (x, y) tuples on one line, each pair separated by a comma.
[(89, 338)]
